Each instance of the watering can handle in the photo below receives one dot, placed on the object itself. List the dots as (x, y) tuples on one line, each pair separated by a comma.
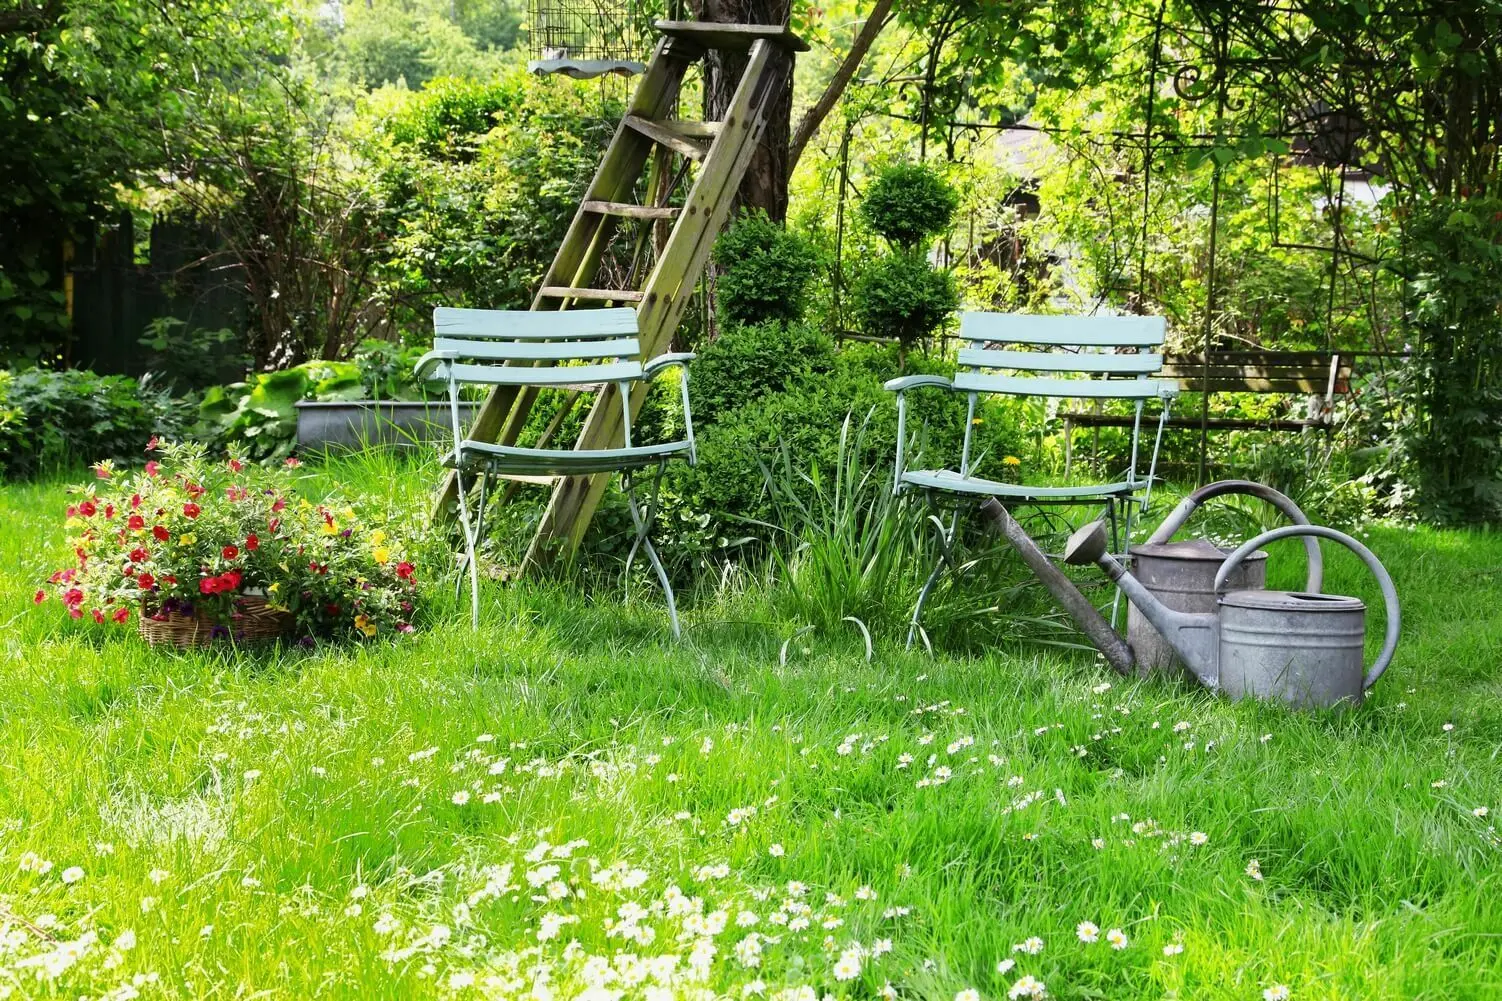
[(1191, 503), (1389, 593)]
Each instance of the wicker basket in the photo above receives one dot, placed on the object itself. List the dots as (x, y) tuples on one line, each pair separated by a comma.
[(253, 620)]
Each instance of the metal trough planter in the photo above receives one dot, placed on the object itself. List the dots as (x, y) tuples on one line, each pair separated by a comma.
[(361, 423)]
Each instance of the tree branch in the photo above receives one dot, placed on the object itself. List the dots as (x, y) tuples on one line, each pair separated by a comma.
[(814, 117)]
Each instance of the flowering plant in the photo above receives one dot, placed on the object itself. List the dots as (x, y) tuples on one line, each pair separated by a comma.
[(187, 535)]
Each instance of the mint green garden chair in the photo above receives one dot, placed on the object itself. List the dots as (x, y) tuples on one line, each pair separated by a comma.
[(588, 349), (1012, 354)]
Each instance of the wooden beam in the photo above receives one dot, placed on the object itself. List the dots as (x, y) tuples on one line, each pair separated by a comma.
[(732, 37), (592, 294), (630, 210), (659, 133)]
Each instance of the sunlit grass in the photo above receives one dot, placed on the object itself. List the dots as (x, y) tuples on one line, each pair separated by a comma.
[(363, 822)]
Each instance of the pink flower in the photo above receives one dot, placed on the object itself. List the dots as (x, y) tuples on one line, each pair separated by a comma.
[(39, 597), (292, 462), (152, 467)]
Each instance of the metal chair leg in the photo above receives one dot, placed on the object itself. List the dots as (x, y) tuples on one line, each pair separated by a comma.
[(643, 540), (469, 552), (946, 558), (1115, 551)]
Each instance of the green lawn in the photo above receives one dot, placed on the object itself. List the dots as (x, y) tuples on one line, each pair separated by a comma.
[(567, 804)]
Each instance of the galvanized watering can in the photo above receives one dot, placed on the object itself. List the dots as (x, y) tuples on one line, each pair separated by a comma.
[(1181, 575), (1300, 647)]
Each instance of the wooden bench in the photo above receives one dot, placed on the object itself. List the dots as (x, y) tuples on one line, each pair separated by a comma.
[(1321, 374)]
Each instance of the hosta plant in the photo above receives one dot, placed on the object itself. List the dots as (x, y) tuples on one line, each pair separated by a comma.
[(187, 535)]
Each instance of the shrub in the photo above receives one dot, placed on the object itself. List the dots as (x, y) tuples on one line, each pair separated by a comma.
[(901, 296), (748, 363), (909, 203), (50, 419), (765, 272), (188, 532)]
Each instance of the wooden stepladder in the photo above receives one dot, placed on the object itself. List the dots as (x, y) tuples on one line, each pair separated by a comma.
[(648, 141)]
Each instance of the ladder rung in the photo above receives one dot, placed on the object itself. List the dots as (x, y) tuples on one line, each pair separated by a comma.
[(602, 294), (631, 211), (663, 135), (734, 37), (542, 481), (692, 130)]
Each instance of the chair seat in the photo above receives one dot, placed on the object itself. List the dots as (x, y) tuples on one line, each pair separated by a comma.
[(562, 462), (951, 481)]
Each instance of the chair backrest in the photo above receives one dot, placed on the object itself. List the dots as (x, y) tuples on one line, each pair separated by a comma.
[(1079, 357), (1065, 356), (497, 347)]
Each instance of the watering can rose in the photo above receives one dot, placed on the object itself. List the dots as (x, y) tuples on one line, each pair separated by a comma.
[(188, 535)]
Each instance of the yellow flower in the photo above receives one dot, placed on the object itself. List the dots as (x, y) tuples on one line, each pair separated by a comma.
[(73, 523), (363, 623), (348, 512), (274, 588), (377, 537), (1011, 460), (330, 528), (381, 554), (303, 503), (186, 539)]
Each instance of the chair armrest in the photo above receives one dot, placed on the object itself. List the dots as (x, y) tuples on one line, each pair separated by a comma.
[(664, 361), (430, 361), (1167, 389), (906, 382)]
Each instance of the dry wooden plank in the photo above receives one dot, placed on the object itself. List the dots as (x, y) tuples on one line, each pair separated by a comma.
[(691, 130), (592, 294), (631, 210), (659, 133), (732, 37)]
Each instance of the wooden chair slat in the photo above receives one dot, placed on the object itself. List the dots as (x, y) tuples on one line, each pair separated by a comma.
[(493, 350), (526, 375), (1060, 361), (1084, 389), (1062, 331), (535, 325)]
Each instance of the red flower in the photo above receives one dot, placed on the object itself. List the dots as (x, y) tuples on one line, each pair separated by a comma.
[(229, 552), (152, 444), (236, 493), (98, 616), (236, 465), (135, 523), (109, 510), (73, 597), (87, 508), (101, 470), (292, 462), (162, 535), (208, 585), (130, 570), (145, 580), (404, 570), (191, 510), (121, 616), (39, 597), (274, 524), (278, 504), (252, 542), (332, 610), (75, 611), (170, 580), (231, 579), (135, 501), (152, 467), (139, 554)]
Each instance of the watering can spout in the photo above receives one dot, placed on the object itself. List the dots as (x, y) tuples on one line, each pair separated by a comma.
[(1194, 636)]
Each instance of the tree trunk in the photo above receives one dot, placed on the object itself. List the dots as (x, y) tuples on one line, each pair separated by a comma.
[(809, 124), (765, 185)]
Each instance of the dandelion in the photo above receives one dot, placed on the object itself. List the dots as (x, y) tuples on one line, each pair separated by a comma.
[(1032, 946), (1277, 992), (461, 797), (776, 850), (32, 862), (1117, 938), (968, 994), (1480, 811), (1448, 727), (1254, 869), (1004, 966), (72, 874), (849, 965), (1198, 838), (1087, 931)]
